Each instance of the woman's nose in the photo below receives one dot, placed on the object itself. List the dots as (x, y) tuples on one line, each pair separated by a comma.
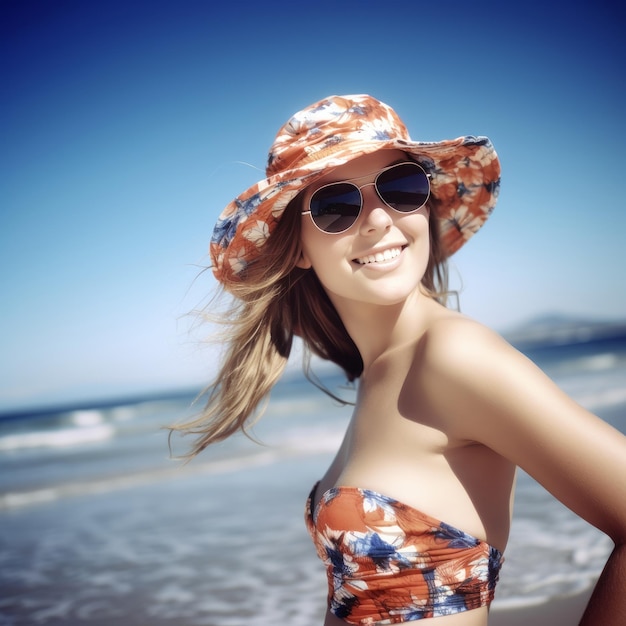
[(375, 214)]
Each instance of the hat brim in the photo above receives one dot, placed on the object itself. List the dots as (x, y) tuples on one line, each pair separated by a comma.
[(465, 180)]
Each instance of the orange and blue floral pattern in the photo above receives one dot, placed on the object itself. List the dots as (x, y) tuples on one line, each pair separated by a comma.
[(388, 563), (465, 176)]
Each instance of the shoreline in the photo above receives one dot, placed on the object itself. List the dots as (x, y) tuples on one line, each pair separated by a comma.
[(559, 611)]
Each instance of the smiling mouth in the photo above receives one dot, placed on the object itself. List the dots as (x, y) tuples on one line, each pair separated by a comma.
[(379, 257)]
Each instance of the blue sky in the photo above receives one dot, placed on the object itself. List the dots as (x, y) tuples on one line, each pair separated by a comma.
[(125, 127)]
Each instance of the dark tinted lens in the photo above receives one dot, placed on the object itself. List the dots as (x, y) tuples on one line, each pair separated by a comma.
[(335, 208), (404, 187)]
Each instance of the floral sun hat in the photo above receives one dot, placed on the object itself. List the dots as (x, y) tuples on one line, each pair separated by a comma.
[(465, 176)]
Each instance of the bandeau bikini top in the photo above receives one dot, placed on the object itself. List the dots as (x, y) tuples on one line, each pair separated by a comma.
[(388, 563)]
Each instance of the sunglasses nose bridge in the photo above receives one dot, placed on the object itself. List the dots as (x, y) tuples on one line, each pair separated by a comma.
[(371, 198), (373, 192)]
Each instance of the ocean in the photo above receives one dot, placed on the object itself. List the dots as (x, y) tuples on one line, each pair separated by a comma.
[(98, 525)]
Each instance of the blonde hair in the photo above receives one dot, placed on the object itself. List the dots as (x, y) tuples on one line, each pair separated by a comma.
[(275, 301)]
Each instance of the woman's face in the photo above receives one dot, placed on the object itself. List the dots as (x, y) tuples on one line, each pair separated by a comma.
[(380, 259)]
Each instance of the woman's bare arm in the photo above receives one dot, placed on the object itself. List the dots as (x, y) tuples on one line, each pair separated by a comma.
[(498, 398)]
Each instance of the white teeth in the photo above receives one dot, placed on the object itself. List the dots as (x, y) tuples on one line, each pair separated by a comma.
[(380, 257)]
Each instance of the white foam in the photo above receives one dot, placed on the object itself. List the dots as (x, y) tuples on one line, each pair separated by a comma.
[(603, 398), (599, 362), (57, 438), (86, 418), (13, 500)]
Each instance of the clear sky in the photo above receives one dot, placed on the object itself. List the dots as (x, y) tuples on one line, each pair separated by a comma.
[(125, 126)]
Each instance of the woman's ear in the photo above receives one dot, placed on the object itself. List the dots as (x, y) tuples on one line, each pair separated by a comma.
[(303, 261)]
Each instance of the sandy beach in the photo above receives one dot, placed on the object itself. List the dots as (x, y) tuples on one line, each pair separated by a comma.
[(564, 611)]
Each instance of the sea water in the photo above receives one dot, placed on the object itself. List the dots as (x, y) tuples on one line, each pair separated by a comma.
[(98, 525)]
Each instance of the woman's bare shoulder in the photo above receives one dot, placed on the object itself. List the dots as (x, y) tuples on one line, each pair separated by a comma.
[(459, 359), (452, 338)]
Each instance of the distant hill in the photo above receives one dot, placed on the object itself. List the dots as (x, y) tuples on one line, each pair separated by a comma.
[(557, 328)]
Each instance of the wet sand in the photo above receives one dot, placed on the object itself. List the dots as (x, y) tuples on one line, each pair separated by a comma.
[(565, 611)]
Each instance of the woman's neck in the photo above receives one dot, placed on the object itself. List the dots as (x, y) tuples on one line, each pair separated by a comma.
[(379, 329)]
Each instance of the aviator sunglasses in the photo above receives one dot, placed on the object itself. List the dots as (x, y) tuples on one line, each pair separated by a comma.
[(404, 187)]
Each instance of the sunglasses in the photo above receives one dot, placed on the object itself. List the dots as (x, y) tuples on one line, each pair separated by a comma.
[(404, 187)]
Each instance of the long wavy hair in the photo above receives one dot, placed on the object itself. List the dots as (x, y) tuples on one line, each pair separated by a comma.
[(275, 302)]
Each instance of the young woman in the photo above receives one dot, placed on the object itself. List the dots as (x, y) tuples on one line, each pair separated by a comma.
[(344, 244)]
